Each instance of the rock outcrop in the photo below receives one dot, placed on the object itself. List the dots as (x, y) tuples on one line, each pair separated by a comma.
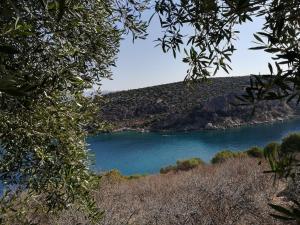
[(221, 112)]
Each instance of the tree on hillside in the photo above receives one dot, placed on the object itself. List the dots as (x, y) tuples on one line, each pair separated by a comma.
[(50, 52)]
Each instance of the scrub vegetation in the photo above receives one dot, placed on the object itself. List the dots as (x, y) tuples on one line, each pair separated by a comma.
[(183, 165), (234, 192), (222, 156)]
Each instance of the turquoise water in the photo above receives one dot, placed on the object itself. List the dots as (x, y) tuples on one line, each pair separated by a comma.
[(146, 153)]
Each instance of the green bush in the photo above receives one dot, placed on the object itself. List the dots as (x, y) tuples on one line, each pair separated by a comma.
[(283, 158), (291, 144), (272, 149), (115, 175), (183, 165), (167, 169), (226, 154), (255, 152), (188, 164)]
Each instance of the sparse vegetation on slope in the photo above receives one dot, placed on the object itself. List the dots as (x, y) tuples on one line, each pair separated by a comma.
[(178, 106)]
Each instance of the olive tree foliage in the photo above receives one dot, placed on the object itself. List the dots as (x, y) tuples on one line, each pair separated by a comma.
[(213, 30), (50, 52)]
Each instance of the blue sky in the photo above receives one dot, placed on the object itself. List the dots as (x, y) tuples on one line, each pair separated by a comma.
[(141, 64)]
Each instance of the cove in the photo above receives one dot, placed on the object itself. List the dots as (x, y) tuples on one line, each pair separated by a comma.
[(145, 153)]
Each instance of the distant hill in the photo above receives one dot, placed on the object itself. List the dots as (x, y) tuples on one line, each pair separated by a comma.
[(180, 106)]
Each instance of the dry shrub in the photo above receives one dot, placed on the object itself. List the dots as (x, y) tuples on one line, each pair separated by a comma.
[(233, 192)]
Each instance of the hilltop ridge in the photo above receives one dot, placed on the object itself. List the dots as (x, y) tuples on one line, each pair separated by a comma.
[(180, 106)]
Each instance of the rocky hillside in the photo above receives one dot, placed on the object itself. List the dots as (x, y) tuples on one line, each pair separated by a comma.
[(180, 106)]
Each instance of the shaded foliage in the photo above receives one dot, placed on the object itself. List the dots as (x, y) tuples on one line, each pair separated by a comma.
[(284, 163), (213, 29), (255, 152), (283, 158), (50, 52)]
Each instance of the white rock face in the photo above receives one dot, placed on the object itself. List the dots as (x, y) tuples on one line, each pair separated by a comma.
[(209, 126)]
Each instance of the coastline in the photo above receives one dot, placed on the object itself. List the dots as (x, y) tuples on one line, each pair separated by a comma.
[(245, 124)]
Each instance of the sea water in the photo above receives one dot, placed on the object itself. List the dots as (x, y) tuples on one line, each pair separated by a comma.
[(146, 153)]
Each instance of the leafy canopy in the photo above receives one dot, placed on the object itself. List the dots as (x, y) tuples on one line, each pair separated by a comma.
[(50, 52), (214, 29)]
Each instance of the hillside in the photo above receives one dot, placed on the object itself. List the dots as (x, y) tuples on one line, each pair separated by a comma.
[(180, 106)]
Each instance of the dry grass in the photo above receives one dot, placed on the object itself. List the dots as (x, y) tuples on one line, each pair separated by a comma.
[(234, 192)]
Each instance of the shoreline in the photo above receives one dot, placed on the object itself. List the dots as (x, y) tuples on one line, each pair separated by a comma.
[(253, 123)]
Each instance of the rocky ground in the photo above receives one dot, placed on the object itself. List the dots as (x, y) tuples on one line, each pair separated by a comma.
[(181, 106)]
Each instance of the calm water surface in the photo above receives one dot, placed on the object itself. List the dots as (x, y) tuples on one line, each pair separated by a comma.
[(146, 153)]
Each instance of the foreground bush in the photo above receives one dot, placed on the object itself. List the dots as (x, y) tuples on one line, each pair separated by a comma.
[(225, 155), (284, 163), (291, 144), (271, 150), (183, 165), (51, 51)]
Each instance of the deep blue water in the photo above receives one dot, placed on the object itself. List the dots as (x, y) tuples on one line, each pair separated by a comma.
[(146, 153)]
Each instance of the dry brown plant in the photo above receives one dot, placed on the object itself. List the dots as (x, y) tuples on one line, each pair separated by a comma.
[(235, 192)]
